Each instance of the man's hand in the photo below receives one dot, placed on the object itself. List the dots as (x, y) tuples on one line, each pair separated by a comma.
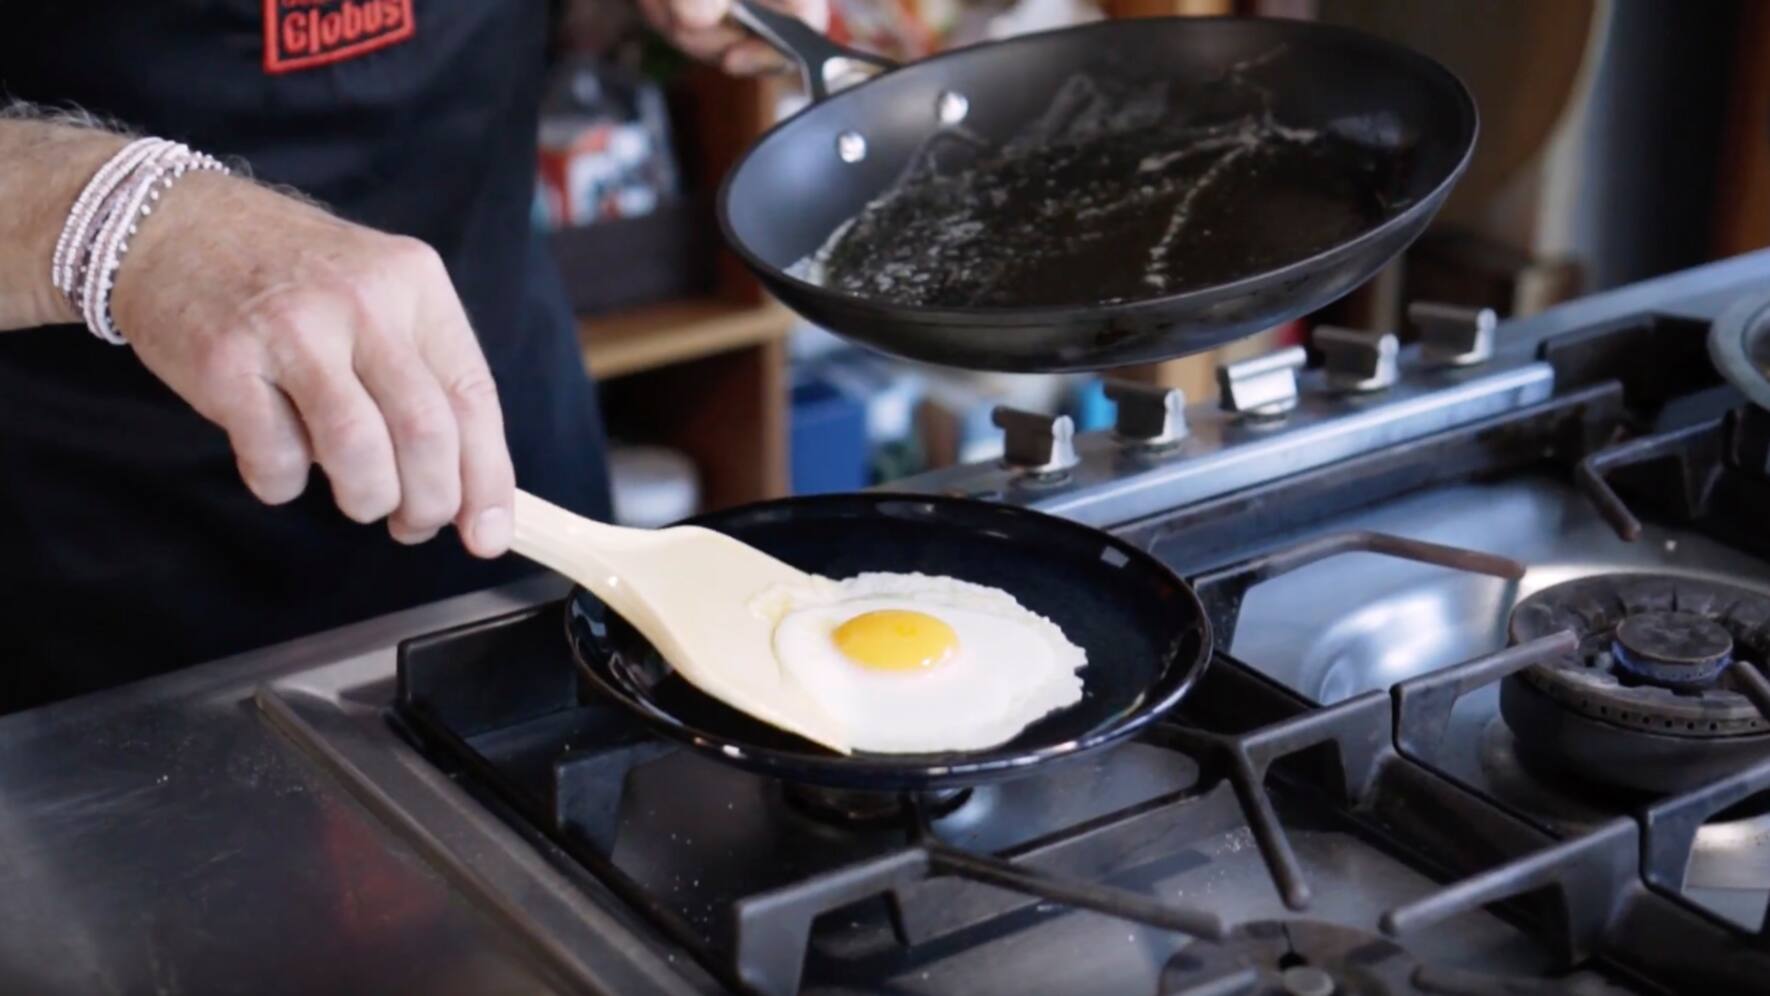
[(307, 338), (704, 30), (311, 339)]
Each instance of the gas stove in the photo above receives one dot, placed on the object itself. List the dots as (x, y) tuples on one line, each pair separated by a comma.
[(1485, 713)]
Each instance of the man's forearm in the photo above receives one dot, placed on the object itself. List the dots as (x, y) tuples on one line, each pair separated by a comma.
[(44, 163)]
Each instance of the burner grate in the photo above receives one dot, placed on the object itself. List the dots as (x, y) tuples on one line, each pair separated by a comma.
[(611, 797), (641, 814), (1719, 479), (1600, 879)]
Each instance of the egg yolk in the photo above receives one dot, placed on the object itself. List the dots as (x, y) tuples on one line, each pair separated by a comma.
[(895, 640)]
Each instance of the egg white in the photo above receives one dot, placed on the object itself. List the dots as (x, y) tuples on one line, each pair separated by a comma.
[(1011, 667)]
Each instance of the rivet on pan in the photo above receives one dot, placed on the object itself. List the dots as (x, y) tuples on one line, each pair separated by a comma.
[(952, 108), (851, 146)]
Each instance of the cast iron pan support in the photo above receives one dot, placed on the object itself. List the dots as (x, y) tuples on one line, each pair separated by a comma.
[(1669, 827), (1423, 705), (1360, 732), (1590, 876), (1738, 440), (1697, 451), (1365, 731), (1223, 588), (1587, 875), (1360, 729), (770, 931)]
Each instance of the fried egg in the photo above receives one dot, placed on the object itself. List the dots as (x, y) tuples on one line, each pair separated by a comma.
[(909, 663)]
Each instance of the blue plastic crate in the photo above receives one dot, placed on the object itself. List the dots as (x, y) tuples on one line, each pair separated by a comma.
[(829, 440)]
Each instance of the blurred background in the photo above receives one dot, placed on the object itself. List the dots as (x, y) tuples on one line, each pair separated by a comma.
[(1620, 139)]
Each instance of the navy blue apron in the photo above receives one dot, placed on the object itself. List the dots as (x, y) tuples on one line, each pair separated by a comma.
[(128, 544)]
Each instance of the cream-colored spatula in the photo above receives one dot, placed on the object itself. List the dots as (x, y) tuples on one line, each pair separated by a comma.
[(687, 590)]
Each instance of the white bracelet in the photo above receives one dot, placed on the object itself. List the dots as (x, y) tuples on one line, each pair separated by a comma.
[(76, 233), (82, 230), (95, 237), (112, 240)]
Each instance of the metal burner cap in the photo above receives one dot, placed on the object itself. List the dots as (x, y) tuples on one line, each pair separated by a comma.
[(1679, 649)]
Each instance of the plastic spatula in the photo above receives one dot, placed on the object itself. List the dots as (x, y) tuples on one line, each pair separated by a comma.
[(688, 591)]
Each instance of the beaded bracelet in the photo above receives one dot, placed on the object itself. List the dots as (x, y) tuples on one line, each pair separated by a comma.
[(77, 230), (108, 211)]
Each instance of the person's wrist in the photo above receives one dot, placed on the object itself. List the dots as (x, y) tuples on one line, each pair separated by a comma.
[(78, 154), (177, 221)]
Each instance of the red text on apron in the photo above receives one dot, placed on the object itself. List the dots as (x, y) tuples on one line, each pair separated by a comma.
[(303, 33)]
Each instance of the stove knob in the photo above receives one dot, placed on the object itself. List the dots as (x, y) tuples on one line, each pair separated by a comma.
[(1451, 335), (1263, 387), (1358, 361), (1148, 416), (1034, 443)]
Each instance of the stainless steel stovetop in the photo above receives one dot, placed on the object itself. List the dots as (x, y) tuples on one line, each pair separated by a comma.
[(1331, 640), (616, 864)]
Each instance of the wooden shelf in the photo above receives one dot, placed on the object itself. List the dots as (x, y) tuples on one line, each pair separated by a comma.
[(675, 332)]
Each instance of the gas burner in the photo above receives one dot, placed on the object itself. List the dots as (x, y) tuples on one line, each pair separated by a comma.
[(1292, 958), (1649, 700)]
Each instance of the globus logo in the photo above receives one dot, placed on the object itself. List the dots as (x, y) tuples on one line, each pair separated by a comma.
[(303, 33)]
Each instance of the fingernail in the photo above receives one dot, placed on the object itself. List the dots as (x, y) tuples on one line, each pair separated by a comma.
[(491, 531), (408, 538), (703, 13)]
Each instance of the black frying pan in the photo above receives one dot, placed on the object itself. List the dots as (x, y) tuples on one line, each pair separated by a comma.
[(1405, 124), (1144, 631)]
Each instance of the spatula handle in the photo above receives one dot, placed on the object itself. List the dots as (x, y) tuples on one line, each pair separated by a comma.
[(589, 552)]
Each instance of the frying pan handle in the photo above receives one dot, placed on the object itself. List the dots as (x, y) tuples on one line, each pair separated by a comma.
[(802, 43)]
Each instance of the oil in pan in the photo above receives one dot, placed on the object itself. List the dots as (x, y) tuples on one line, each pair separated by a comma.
[(1121, 190)]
